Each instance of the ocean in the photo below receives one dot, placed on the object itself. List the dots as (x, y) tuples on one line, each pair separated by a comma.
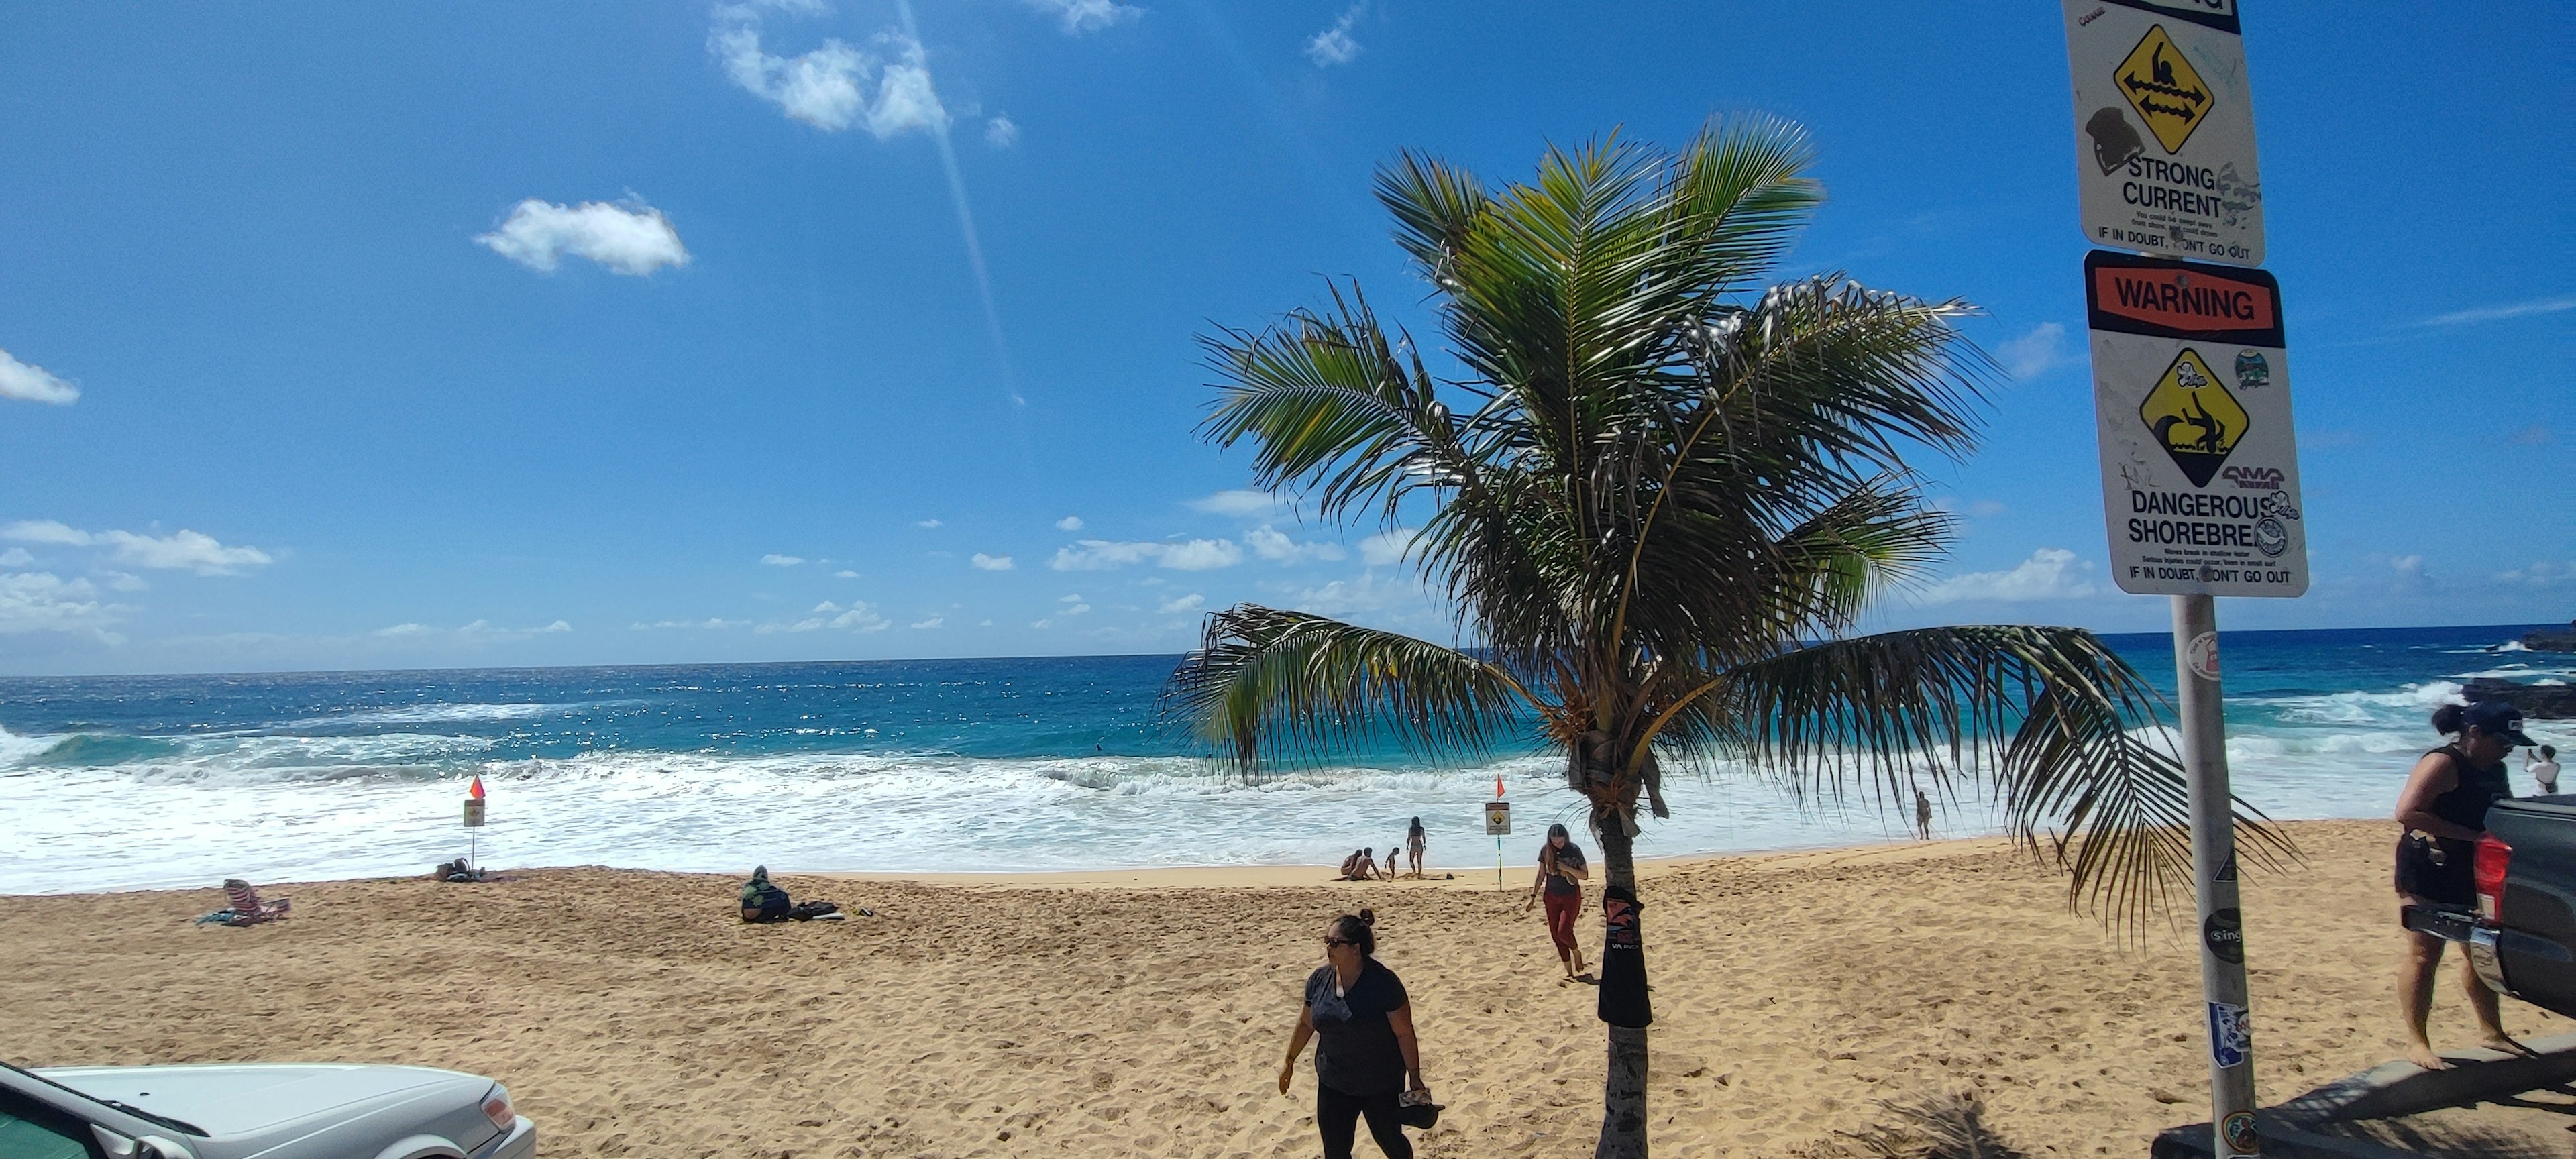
[(142, 782)]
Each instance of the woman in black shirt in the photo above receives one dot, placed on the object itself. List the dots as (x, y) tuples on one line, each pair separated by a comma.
[(2443, 811), (1368, 1055)]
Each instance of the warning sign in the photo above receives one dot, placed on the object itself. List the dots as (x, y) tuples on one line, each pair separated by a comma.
[(2164, 129), (2194, 417), (2164, 90), (2200, 473)]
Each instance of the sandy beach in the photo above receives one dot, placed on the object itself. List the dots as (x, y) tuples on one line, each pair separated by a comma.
[(1143, 1013)]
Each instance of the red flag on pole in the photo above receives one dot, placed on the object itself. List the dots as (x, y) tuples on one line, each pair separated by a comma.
[(1498, 786), (476, 790)]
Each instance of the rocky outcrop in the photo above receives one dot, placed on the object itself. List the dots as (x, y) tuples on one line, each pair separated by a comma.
[(2551, 639), (2537, 701)]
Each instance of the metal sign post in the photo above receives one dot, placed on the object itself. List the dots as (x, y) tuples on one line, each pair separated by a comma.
[(2213, 871), (1498, 821), (2200, 475)]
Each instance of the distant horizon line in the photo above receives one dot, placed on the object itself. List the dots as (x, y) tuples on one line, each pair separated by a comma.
[(6, 677)]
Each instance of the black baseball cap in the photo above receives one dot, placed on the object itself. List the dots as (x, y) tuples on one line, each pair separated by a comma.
[(2497, 718)]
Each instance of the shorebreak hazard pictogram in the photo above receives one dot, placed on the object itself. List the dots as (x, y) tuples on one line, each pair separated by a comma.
[(2194, 417), (2160, 84)]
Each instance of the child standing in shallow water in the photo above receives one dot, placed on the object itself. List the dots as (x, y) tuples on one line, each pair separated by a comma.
[(1561, 871)]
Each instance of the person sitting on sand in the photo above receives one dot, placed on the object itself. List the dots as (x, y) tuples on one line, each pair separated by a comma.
[(1561, 871), (1361, 865), (1369, 1063), (456, 871), (763, 902), (1414, 841), (2442, 813)]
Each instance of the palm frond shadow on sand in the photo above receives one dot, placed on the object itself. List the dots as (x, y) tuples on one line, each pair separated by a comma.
[(1941, 1127)]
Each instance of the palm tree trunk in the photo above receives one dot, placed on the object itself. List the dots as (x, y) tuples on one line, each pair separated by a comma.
[(1623, 1085)]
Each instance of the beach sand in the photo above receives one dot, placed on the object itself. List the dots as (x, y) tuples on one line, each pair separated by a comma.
[(1145, 1013)]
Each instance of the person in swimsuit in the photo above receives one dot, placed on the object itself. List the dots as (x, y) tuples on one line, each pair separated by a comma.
[(1414, 841), (1560, 873), (2543, 769), (1368, 1059), (2443, 809)]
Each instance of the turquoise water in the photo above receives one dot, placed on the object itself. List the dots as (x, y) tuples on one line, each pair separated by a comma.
[(1005, 765)]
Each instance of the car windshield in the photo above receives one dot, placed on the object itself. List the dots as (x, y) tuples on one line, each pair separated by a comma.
[(180, 1125)]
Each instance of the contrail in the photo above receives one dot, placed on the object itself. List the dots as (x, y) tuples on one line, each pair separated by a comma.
[(966, 225)]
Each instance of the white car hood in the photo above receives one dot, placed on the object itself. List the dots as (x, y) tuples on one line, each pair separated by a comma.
[(243, 1098)]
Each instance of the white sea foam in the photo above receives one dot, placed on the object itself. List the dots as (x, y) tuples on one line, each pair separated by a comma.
[(435, 714), (193, 811)]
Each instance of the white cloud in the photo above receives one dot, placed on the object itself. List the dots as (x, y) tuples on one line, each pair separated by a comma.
[(2544, 574), (1073, 606), (1275, 546), (116, 580), (1180, 604), (2051, 573), (774, 559), (44, 602), (710, 625), (1335, 45), (1069, 523), (27, 383), (1081, 16), (2035, 353), (1369, 593), (2499, 313), (861, 618), (16, 557), (985, 562), (181, 550), (1001, 132), (1243, 504), (827, 606), (985, 624), (926, 625), (630, 239), (478, 630), (845, 573), (1387, 548), (925, 523), (836, 86), (1103, 554), (1041, 624)]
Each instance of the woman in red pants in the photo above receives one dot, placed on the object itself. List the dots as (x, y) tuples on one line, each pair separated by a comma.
[(1560, 873)]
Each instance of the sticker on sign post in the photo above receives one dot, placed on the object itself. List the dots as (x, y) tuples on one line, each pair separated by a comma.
[(2164, 129), (2191, 402)]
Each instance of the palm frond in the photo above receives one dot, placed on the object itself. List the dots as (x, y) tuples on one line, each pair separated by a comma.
[(2050, 715), (1270, 686)]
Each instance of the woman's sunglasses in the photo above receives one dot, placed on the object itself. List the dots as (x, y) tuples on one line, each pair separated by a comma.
[(1332, 941)]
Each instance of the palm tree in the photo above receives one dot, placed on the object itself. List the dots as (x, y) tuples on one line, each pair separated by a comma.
[(1659, 497)]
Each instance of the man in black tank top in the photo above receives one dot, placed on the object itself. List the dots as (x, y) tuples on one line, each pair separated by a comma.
[(2443, 809)]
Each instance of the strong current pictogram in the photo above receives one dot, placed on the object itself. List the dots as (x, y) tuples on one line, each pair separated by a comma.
[(2194, 418), (2163, 87)]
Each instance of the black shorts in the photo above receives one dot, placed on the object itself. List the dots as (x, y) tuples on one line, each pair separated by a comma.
[(2441, 870)]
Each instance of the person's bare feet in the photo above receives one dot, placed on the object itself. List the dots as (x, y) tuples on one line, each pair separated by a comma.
[(2421, 1054), (2500, 1041)]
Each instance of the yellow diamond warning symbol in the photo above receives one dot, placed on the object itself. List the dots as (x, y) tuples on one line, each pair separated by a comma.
[(2160, 84), (2194, 417)]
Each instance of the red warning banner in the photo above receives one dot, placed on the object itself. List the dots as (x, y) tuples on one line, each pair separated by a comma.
[(2166, 297)]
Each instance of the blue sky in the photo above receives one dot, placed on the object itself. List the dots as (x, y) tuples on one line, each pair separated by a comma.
[(502, 333)]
